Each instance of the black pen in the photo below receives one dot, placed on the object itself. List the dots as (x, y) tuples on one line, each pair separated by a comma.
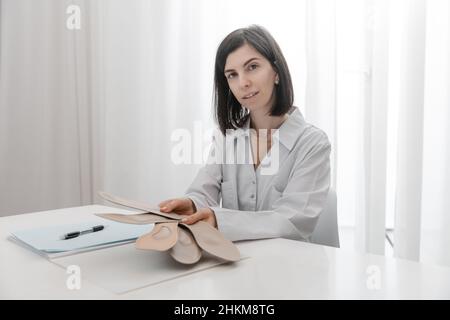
[(75, 234)]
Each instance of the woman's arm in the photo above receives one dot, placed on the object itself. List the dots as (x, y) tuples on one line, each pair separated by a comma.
[(204, 191), (295, 214)]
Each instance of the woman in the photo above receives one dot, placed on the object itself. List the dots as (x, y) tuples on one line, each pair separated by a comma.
[(253, 90)]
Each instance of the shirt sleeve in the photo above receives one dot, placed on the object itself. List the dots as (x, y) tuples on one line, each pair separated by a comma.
[(295, 214), (204, 191)]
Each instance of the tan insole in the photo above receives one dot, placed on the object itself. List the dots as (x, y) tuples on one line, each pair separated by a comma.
[(206, 236), (162, 237), (138, 205), (186, 250), (212, 241), (141, 218)]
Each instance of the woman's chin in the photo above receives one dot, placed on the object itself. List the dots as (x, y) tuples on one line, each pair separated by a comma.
[(252, 107)]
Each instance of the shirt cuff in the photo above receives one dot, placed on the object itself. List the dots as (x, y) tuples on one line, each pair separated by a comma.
[(221, 221), (197, 201), (241, 225)]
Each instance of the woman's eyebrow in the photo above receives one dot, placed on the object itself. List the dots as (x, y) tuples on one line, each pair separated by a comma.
[(246, 63)]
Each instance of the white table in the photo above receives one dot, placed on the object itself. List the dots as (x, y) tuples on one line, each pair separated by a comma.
[(276, 269)]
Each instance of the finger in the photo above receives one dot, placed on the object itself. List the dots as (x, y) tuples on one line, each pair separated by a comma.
[(170, 205), (185, 213), (164, 203), (193, 218)]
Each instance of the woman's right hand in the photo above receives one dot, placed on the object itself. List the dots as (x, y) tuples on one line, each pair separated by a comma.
[(179, 205)]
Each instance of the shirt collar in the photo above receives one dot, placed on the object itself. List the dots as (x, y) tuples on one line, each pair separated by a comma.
[(288, 132)]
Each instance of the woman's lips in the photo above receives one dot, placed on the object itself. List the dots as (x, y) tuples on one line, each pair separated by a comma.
[(251, 95)]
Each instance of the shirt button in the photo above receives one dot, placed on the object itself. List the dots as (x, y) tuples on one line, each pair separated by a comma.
[(254, 182), (252, 196)]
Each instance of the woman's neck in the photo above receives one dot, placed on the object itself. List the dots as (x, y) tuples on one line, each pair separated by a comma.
[(260, 120)]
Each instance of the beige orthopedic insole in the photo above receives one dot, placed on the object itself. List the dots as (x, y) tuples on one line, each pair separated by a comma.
[(183, 241)]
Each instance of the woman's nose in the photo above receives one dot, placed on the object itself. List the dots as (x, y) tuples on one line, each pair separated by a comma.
[(244, 82)]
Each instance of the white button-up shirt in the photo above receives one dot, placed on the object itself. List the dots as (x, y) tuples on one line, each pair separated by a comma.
[(283, 197)]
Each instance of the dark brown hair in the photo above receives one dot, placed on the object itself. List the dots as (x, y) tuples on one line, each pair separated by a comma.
[(229, 114)]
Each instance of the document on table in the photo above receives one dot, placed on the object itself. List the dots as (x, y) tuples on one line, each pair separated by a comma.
[(49, 242)]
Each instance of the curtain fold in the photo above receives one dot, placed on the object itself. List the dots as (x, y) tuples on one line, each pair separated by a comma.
[(410, 136), (375, 126), (435, 217), (320, 92)]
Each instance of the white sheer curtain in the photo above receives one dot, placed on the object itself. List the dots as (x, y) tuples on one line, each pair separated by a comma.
[(48, 139), (392, 123), (435, 213), (96, 108)]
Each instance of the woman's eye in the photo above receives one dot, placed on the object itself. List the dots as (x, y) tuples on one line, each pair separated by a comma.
[(230, 76), (253, 67)]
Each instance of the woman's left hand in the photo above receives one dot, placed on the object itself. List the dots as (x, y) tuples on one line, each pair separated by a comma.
[(203, 214)]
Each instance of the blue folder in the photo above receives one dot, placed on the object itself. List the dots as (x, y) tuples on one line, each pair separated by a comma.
[(49, 242)]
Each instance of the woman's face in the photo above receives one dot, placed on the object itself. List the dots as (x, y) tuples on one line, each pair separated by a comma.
[(251, 78)]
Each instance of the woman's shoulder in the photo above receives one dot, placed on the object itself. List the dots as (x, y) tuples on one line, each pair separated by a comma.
[(307, 132), (315, 134)]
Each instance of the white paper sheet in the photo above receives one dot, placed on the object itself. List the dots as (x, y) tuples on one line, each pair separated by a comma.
[(124, 268)]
